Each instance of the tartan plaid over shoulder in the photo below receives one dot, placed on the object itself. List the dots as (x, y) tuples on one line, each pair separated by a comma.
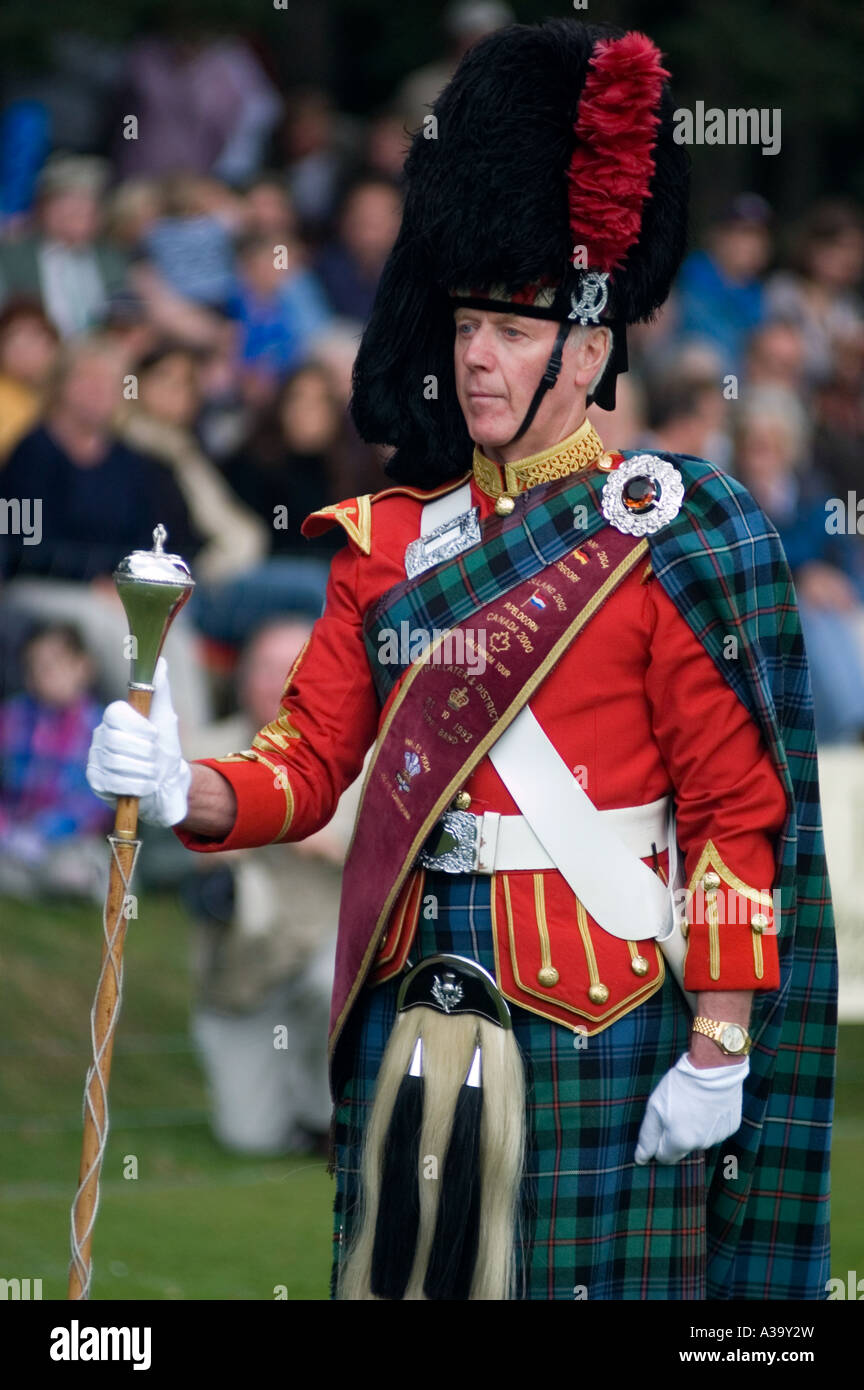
[(722, 563)]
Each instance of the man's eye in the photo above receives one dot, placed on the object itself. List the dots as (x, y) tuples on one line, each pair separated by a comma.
[(514, 331)]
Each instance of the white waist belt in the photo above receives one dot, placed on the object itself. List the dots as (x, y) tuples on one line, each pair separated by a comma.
[(490, 843)]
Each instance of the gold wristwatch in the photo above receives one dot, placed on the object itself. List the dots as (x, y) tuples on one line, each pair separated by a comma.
[(731, 1038)]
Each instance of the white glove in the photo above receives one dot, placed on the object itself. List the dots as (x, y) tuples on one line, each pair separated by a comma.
[(133, 756), (691, 1108)]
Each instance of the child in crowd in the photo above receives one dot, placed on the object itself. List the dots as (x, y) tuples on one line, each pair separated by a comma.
[(51, 824)]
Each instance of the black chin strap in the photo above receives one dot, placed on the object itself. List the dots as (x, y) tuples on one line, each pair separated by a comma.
[(548, 379)]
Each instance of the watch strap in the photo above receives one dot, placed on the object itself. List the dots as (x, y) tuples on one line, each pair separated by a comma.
[(714, 1028)]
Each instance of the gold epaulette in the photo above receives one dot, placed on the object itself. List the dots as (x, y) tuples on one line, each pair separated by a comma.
[(355, 514)]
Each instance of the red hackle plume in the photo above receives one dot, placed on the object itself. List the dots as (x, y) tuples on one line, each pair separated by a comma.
[(612, 163)]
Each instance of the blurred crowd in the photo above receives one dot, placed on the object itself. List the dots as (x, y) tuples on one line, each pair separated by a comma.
[(182, 291), (181, 298), (756, 363)]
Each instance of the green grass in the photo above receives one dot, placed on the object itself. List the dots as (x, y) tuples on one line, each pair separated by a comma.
[(196, 1223)]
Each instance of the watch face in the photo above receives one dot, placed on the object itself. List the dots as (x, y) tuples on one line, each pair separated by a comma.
[(734, 1037)]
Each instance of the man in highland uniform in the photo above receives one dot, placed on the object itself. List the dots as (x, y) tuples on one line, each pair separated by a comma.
[(584, 678)]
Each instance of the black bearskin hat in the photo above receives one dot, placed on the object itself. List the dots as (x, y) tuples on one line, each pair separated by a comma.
[(547, 138)]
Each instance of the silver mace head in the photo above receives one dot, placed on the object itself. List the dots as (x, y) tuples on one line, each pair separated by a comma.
[(153, 587)]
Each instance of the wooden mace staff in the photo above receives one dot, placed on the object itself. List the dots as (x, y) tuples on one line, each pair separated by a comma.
[(153, 587)]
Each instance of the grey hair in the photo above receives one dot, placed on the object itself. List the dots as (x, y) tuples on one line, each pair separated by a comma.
[(780, 404)]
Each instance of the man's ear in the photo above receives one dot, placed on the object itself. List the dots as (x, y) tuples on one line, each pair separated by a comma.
[(590, 354)]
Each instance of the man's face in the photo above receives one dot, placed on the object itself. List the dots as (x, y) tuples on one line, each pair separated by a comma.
[(71, 217), (499, 360), (370, 223), (742, 248), (92, 390), (265, 668)]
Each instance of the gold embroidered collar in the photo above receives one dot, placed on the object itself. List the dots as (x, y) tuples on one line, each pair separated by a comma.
[(578, 450)]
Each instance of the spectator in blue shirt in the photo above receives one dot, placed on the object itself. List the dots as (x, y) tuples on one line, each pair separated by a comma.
[(772, 461), (720, 289), (279, 307)]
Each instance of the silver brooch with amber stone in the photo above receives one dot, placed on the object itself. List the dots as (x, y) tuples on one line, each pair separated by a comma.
[(642, 495)]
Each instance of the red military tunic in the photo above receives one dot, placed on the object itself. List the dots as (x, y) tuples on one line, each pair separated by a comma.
[(635, 706)]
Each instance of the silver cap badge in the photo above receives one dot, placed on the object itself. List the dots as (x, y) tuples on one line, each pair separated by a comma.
[(593, 297)]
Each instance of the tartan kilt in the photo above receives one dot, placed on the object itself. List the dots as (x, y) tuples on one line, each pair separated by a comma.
[(592, 1223)]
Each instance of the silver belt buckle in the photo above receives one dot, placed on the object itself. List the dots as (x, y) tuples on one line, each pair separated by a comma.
[(458, 844)]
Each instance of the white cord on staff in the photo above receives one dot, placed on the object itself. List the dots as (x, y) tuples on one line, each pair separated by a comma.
[(84, 1267)]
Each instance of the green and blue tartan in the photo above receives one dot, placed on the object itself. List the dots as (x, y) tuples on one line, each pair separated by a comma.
[(593, 1224), (722, 563)]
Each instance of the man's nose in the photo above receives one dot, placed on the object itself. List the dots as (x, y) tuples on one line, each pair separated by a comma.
[(478, 350)]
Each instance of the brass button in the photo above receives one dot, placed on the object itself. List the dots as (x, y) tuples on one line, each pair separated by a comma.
[(504, 506), (605, 462), (639, 965), (462, 801), (710, 881), (598, 994), (548, 976), (758, 921)]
